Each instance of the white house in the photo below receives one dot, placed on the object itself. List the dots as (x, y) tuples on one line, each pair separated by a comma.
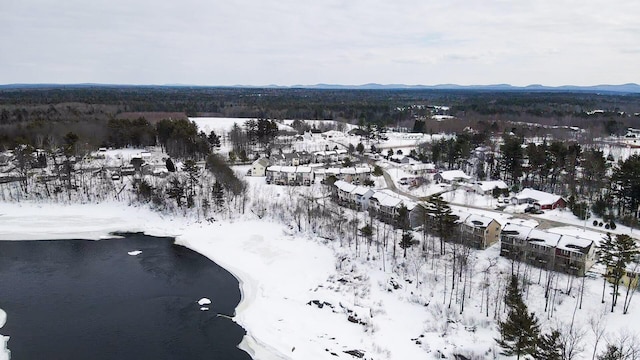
[(361, 197), (259, 167), (451, 177), (486, 187), (420, 168)]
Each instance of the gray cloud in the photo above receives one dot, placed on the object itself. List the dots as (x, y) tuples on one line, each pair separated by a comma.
[(289, 42)]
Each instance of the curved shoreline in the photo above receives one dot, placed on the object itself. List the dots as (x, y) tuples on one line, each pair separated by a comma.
[(35, 221), (251, 345)]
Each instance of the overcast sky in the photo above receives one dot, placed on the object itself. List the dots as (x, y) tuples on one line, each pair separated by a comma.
[(287, 42)]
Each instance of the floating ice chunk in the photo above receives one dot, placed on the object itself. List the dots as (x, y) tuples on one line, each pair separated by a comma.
[(204, 301), (204, 308), (134, 253), (3, 318)]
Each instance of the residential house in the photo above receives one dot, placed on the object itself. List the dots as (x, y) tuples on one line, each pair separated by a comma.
[(342, 154), (259, 167), (401, 159), (487, 187), (631, 276), (275, 175), (361, 197), (351, 196), (512, 240), (478, 231), (540, 199), (575, 255), (304, 175), (327, 156), (451, 177), (385, 204), (420, 169)]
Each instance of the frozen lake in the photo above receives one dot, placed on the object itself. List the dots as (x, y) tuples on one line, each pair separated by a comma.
[(137, 297)]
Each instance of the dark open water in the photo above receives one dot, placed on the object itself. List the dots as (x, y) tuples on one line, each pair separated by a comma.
[(78, 299)]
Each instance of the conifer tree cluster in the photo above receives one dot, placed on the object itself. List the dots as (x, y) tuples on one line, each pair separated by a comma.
[(520, 332)]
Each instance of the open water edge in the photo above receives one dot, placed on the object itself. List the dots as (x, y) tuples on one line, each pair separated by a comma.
[(80, 299)]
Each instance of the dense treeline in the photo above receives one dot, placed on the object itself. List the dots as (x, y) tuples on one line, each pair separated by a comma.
[(376, 106)]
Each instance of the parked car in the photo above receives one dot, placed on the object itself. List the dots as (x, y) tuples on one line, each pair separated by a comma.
[(533, 210), (404, 181)]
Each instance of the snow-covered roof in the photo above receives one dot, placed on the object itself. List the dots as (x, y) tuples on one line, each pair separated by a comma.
[(348, 171), (476, 220), (544, 198), (303, 169), (420, 166), (363, 170), (333, 133), (490, 185), (288, 169), (397, 157), (543, 238), (275, 168), (341, 151), (581, 233), (391, 199), (361, 190), (344, 186), (262, 161), (325, 153), (410, 204), (574, 243), (451, 175), (516, 230)]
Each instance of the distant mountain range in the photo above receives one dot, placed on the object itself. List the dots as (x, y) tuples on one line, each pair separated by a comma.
[(630, 88), (624, 88)]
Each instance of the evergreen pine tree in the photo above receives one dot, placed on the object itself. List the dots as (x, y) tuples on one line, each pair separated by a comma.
[(442, 218), (550, 347), (605, 257), (176, 191), (214, 139), (612, 353), (192, 170), (406, 241), (616, 253), (520, 332), (218, 195)]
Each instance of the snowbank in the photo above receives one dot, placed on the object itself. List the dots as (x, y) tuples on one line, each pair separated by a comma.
[(276, 271), (5, 354)]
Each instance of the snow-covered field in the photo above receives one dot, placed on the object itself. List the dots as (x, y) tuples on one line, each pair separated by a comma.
[(224, 125)]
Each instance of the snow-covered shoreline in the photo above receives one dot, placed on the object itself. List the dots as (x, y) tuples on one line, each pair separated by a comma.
[(236, 246)]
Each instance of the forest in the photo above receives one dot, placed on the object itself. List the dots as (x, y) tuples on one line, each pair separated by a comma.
[(27, 114)]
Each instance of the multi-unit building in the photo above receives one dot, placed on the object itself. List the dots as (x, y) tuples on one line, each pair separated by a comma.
[(566, 253), (289, 175), (382, 204)]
